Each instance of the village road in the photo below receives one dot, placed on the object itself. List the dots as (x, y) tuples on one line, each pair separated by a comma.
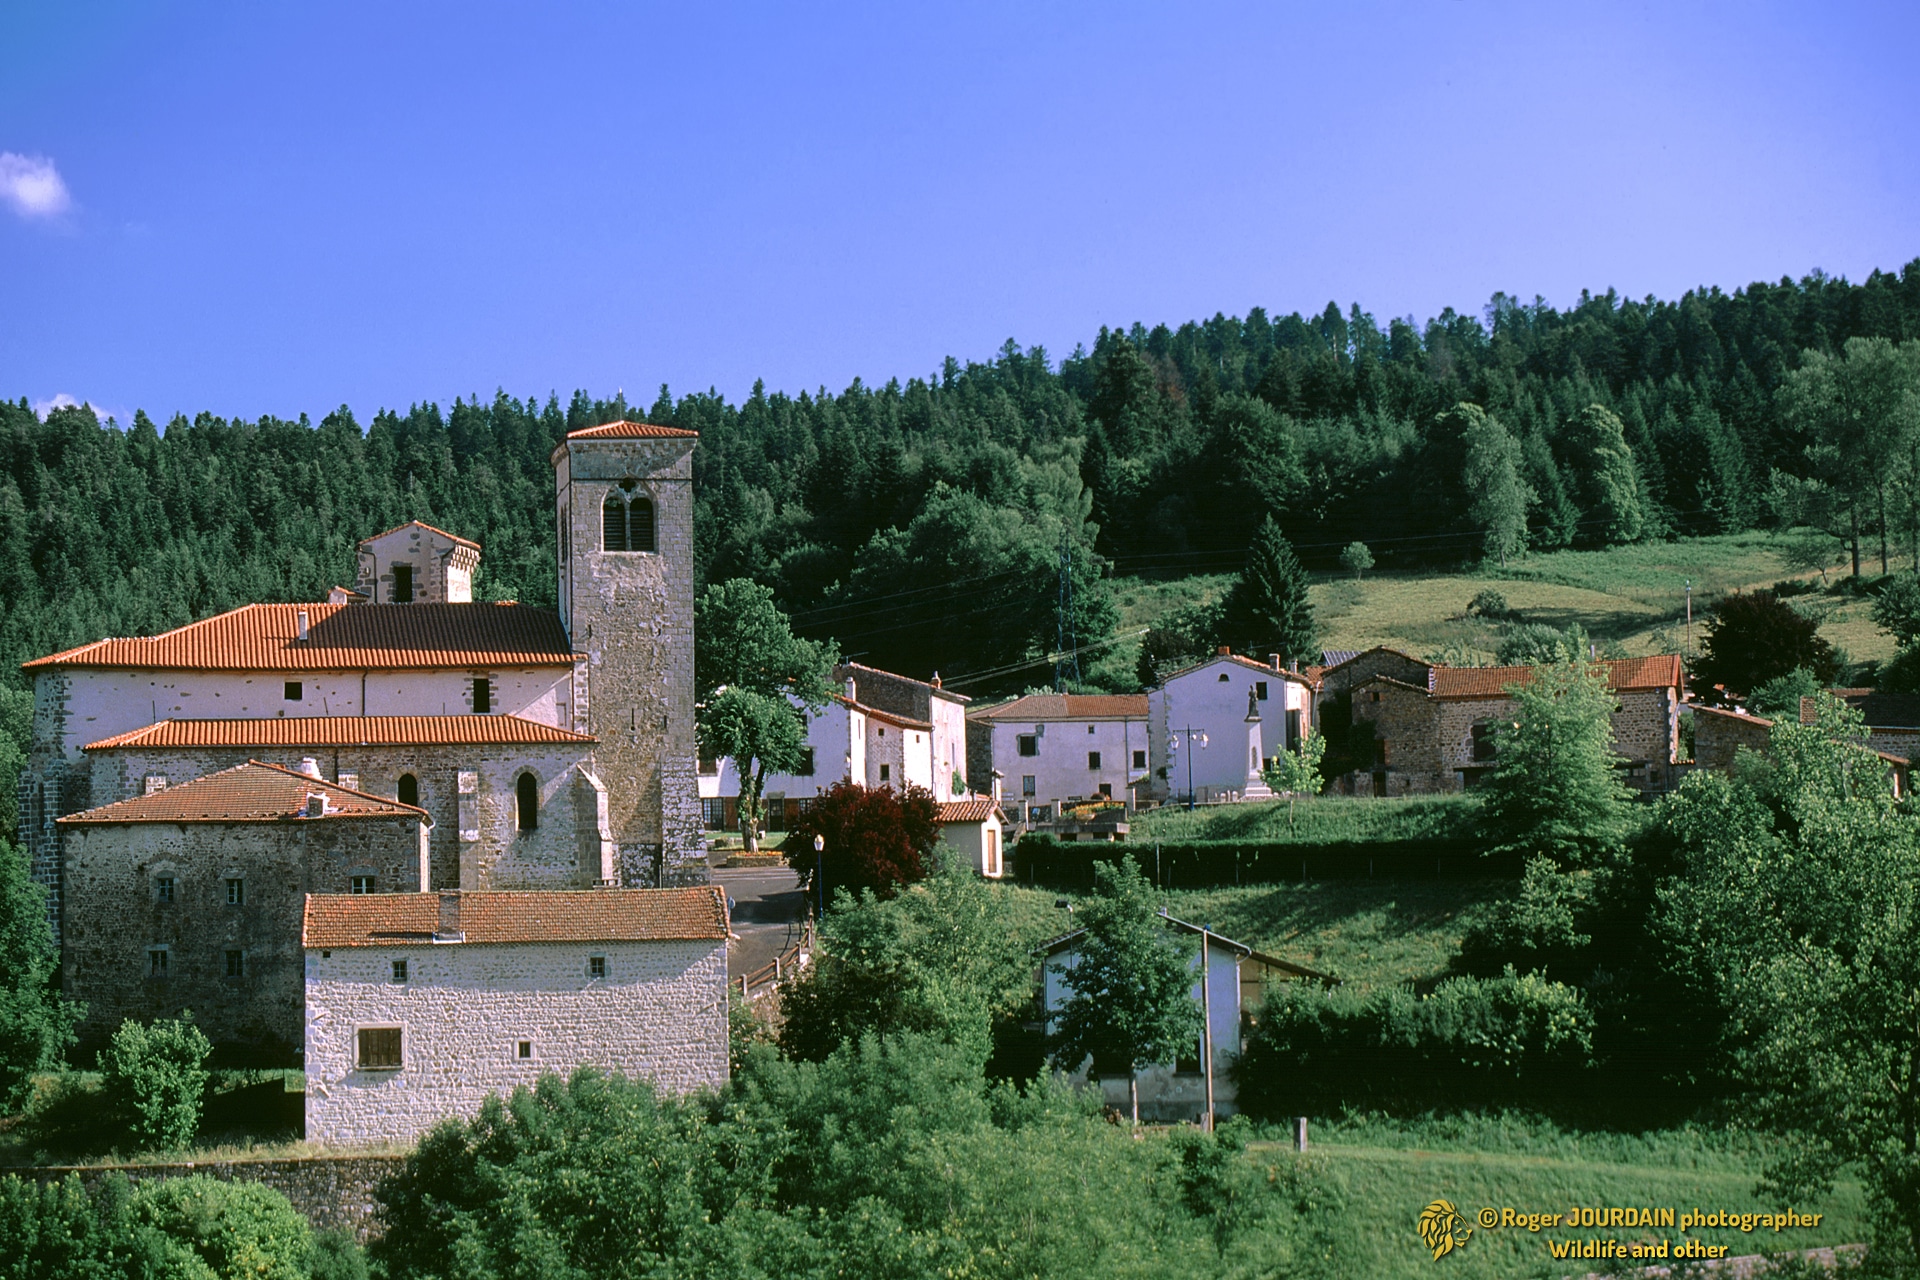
[(769, 912)]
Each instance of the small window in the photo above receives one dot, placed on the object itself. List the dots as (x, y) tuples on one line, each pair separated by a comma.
[(1089, 729), (163, 888), (482, 695), (156, 962), (409, 790), (236, 964), (1093, 759), (709, 766), (1260, 690), (524, 1050), (1374, 696), (361, 884), (886, 771), (236, 891), (1139, 759), (805, 767), (882, 732), (379, 1048), (294, 691), (527, 801), (399, 970), (1223, 677), (1485, 744), (403, 584), (1106, 789), (1029, 745), (1026, 785), (596, 966)]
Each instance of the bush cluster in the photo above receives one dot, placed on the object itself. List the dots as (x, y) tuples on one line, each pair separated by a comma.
[(1505, 1041)]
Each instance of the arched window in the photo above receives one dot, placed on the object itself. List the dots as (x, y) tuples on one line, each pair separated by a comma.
[(527, 793), (640, 524), (613, 524), (409, 789)]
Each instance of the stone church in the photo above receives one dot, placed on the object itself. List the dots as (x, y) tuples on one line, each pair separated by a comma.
[(177, 785)]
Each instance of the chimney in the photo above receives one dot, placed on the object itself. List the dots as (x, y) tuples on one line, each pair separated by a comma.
[(316, 804), (852, 695), (1224, 651), (1276, 661), (936, 680), (997, 776), (310, 766), (449, 925)]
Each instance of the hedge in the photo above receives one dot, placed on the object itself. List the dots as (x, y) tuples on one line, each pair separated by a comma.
[(1201, 864)]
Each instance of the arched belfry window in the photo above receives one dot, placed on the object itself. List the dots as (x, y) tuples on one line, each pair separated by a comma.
[(527, 798), (626, 524), (409, 790)]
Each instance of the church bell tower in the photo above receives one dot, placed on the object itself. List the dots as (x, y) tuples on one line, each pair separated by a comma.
[(623, 501)]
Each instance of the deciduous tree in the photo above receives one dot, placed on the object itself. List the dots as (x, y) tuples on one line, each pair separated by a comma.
[(1554, 789), (1754, 637), (1493, 480), (874, 838)]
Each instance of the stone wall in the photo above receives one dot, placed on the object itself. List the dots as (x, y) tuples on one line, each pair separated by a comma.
[(334, 1193), (442, 568), (560, 852), (464, 1010), (631, 612), (1408, 723), (116, 915), (1719, 735)]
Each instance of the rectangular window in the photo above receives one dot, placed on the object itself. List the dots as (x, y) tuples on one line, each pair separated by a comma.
[(1029, 744), (236, 891), (1139, 759), (482, 695), (399, 970), (713, 813), (1260, 690), (885, 771), (403, 584), (1484, 742), (1026, 785), (1106, 789), (362, 884), (379, 1048), (524, 1050), (163, 888), (1093, 759), (1379, 752), (294, 691), (236, 964), (709, 766), (596, 966), (1089, 730), (157, 962), (805, 769)]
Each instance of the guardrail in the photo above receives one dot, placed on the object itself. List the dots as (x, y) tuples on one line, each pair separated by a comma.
[(763, 981)]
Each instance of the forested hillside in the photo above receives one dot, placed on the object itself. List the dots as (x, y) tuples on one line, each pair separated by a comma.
[(930, 523)]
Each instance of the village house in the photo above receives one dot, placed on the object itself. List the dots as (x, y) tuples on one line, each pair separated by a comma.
[(1214, 726), (419, 1006), (1893, 719), (878, 729), (190, 898), (1057, 750), (1721, 733), (1441, 735), (1230, 981)]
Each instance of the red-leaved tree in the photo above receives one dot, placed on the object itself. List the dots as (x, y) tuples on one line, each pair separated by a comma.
[(874, 839)]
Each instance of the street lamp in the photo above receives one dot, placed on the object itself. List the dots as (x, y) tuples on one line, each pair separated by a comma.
[(1192, 736), (820, 872)]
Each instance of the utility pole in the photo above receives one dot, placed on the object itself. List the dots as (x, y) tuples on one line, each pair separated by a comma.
[(1206, 1022), (1689, 582)]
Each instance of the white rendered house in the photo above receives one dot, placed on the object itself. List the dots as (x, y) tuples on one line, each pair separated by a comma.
[(1056, 750), (420, 1005), (1215, 724)]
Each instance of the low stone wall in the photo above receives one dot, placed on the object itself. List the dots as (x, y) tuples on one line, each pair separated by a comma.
[(334, 1192)]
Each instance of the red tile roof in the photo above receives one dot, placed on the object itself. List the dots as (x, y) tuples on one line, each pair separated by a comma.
[(422, 524), (1662, 671), (876, 713), (632, 431), (251, 792), (341, 637), (343, 731), (554, 915), (1069, 706), (972, 809)]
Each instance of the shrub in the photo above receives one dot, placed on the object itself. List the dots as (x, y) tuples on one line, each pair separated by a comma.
[(1537, 930), (875, 838), (1500, 1041), (1491, 605), (1356, 558), (54, 1230), (155, 1078), (1781, 695), (232, 1230), (336, 1256)]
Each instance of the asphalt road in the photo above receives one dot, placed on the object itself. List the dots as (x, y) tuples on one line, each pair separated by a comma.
[(769, 912)]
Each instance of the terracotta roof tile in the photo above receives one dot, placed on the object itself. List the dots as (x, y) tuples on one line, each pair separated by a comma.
[(632, 431), (251, 792), (972, 809), (1659, 672), (554, 915), (878, 713), (341, 637), (422, 524), (343, 731), (1069, 706)]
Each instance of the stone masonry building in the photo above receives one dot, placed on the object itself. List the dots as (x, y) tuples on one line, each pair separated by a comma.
[(421, 1005), (190, 898)]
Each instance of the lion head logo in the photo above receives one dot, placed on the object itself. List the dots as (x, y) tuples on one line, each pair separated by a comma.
[(1442, 1227)]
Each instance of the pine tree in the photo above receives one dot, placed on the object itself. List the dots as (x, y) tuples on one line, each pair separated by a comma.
[(1268, 611)]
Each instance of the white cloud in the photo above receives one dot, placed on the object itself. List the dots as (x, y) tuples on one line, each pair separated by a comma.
[(41, 408), (32, 186)]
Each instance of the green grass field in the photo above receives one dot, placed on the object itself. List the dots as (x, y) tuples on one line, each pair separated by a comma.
[(1631, 597), (1316, 820)]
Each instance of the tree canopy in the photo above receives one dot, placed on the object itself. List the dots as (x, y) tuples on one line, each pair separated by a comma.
[(1754, 637)]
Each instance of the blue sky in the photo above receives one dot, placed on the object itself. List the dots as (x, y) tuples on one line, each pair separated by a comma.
[(255, 209)]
